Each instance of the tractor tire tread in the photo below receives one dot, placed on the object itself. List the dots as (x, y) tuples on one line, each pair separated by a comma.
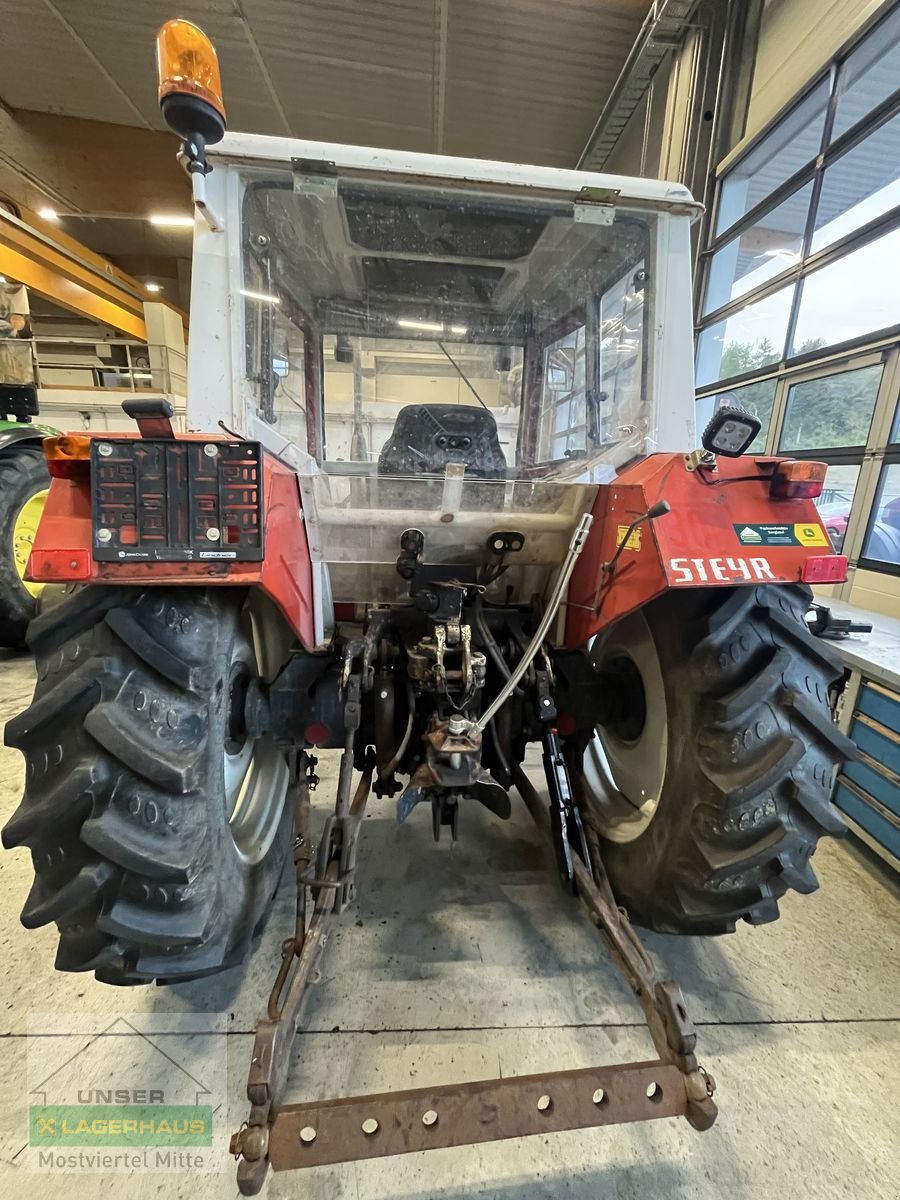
[(757, 752), (23, 472), (121, 811)]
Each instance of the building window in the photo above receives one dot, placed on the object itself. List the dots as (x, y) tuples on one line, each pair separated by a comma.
[(868, 76), (751, 338), (765, 249), (882, 546), (799, 304), (855, 295), (860, 186), (832, 412), (836, 501), (791, 145)]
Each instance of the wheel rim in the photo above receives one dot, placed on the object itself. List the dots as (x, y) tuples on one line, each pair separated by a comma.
[(24, 530), (625, 766), (256, 774)]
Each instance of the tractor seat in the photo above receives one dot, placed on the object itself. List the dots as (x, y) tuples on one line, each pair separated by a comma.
[(426, 437)]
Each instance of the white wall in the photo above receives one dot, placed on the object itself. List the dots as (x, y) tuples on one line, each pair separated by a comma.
[(76, 410), (875, 591), (796, 40)]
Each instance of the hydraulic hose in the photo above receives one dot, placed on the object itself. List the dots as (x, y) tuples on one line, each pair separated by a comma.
[(579, 537)]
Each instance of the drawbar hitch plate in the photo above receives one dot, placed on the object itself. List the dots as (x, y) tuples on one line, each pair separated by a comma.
[(289, 1136)]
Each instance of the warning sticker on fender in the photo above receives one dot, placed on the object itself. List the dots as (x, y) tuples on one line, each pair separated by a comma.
[(626, 540), (755, 534)]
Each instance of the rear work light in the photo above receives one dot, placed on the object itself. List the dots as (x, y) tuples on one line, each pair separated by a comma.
[(798, 478), (68, 456), (825, 568)]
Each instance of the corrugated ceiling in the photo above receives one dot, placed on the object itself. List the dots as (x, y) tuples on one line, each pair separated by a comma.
[(515, 79)]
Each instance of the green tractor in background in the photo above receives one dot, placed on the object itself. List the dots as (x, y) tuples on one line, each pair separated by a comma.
[(24, 478)]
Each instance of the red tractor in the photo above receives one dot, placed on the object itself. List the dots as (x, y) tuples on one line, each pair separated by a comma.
[(442, 501)]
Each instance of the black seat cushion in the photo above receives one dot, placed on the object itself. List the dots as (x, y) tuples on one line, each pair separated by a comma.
[(426, 437)]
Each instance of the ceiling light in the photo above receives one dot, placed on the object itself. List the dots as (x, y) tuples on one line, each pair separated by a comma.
[(175, 222), (152, 287), (427, 326), (432, 326), (48, 214), (261, 296)]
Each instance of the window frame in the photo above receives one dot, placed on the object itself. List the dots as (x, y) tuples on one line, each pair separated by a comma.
[(783, 400), (809, 261), (835, 358), (869, 457), (813, 171), (890, 458)]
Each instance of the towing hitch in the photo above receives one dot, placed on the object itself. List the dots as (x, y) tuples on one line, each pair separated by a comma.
[(289, 1136)]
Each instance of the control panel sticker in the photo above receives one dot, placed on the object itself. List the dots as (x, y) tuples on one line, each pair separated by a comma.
[(804, 534)]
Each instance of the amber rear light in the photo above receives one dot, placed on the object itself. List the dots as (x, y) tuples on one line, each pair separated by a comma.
[(798, 479), (68, 456)]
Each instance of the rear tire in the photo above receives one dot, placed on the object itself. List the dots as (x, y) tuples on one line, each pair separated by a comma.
[(749, 754), (23, 476), (131, 756)]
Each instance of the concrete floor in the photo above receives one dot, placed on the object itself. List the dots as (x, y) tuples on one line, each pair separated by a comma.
[(466, 961)]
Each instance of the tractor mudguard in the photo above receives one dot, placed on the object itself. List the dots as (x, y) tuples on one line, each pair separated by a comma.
[(723, 528), (62, 550), (18, 431)]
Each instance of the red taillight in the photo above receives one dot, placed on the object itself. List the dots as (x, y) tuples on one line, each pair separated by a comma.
[(798, 479), (72, 469), (58, 566), (317, 734), (825, 568)]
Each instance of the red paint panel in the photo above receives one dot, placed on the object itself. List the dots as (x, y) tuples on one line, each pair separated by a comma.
[(62, 551), (697, 544)]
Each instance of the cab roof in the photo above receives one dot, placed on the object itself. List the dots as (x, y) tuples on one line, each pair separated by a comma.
[(274, 151)]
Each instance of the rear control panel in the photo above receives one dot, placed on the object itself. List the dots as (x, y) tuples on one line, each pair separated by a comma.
[(176, 501)]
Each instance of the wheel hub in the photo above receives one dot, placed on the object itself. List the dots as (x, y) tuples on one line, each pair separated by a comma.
[(625, 762), (238, 685), (255, 769), (24, 531)]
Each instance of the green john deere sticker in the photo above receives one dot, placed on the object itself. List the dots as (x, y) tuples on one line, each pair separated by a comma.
[(807, 534)]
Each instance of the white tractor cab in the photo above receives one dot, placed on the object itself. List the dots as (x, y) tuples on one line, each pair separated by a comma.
[(457, 344)]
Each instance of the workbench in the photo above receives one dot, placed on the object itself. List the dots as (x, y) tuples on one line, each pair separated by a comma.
[(867, 791)]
